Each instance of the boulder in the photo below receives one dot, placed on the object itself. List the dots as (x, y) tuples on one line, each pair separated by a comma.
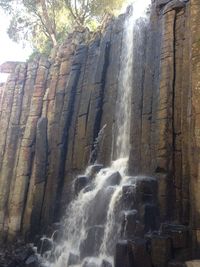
[(80, 182)]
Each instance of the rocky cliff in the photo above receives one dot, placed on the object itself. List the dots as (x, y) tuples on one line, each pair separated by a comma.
[(53, 108)]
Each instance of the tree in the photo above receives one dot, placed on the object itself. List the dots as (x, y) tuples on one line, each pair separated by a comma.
[(83, 11), (44, 23), (40, 22)]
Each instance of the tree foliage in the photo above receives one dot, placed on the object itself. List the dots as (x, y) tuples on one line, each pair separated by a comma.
[(40, 22), (6, 4), (83, 11), (44, 23)]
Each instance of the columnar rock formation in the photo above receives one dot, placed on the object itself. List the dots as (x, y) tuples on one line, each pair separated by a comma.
[(53, 108), (1, 92)]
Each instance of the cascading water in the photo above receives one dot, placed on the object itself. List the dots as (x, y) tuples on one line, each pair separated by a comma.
[(92, 221)]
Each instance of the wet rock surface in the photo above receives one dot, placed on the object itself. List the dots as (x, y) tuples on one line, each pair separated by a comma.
[(113, 179), (80, 183), (94, 169), (100, 203), (91, 245), (129, 197), (73, 259), (129, 224)]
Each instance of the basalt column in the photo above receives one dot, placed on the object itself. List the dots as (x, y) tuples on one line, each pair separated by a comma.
[(159, 136), (195, 121)]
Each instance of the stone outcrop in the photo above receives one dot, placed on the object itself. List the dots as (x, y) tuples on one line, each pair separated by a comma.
[(8, 66), (52, 110)]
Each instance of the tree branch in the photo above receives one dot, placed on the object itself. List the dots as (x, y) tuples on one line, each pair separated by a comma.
[(48, 23)]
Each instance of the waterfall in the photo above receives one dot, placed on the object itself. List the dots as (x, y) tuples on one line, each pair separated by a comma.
[(92, 222), (123, 106), (125, 81)]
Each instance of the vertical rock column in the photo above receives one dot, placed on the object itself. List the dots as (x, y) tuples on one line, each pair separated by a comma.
[(80, 153), (33, 210), (150, 93), (62, 96), (18, 195), (10, 119), (110, 88), (74, 165), (2, 86), (171, 119), (180, 116), (139, 92), (195, 120), (160, 94), (26, 103), (164, 123), (86, 120)]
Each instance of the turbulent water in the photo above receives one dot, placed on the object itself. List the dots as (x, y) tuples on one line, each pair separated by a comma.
[(92, 223)]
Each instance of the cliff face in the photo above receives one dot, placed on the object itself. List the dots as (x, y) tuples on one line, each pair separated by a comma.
[(53, 108), (51, 113)]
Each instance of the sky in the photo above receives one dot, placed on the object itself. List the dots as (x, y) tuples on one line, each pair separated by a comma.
[(9, 50)]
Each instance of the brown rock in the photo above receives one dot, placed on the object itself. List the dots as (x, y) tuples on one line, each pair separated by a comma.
[(161, 250)]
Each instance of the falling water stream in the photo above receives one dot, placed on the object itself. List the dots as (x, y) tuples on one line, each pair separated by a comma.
[(95, 211)]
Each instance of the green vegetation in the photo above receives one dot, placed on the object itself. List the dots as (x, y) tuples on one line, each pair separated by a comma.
[(86, 10), (45, 23)]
